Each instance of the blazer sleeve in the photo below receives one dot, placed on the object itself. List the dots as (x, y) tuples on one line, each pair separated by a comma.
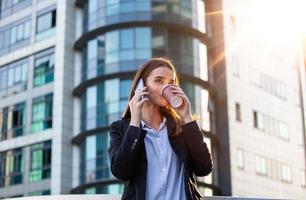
[(199, 156), (125, 151)]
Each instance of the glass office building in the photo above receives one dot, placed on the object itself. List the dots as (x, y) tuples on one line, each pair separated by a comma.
[(117, 37)]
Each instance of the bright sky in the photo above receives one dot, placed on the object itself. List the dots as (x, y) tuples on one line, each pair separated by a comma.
[(280, 20)]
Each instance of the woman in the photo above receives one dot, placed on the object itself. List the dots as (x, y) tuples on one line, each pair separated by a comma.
[(154, 148)]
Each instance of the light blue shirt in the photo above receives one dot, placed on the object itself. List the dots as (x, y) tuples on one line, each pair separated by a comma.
[(165, 173)]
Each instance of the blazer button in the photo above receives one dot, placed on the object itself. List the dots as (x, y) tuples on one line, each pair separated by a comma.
[(134, 144)]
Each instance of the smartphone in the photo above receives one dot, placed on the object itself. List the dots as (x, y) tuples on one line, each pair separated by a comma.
[(140, 86)]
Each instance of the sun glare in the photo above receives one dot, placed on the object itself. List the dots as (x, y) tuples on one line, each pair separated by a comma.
[(278, 20)]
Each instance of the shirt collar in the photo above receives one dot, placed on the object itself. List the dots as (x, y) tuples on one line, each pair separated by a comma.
[(144, 125)]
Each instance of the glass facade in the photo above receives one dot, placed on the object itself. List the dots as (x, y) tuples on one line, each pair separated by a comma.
[(12, 121), (189, 13), (42, 113), (11, 167), (103, 103), (44, 70), (199, 101), (40, 164), (94, 158), (125, 49)]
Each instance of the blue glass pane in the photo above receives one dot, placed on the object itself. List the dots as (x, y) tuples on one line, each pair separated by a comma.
[(112, 41), (111, 58), (127, 38), (112, 10), (143, 54), (127, 7), (127, 55), (143, 6), (143, 37), (92, 5)]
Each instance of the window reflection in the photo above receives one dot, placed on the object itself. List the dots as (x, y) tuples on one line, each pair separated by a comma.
[(199, 100), (125, 49), (101, 13), (104, 103), (12, 167), (94, 158)]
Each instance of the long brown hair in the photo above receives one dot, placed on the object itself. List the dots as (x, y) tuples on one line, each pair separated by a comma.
[(144, 72)]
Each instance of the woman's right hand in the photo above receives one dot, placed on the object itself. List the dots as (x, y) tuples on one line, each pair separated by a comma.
[(136, 106)]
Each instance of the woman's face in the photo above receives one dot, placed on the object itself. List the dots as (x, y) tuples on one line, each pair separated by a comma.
[(156, 80)]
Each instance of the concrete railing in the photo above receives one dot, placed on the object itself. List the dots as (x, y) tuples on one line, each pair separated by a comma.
[(116, 197)]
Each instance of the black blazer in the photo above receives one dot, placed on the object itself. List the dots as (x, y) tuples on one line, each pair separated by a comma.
[(129, 162)]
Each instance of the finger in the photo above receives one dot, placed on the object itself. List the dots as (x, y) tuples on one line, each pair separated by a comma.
[(179, 89), (181, 95), (141, 90), (142, 101), (139, 94), (178, 92)]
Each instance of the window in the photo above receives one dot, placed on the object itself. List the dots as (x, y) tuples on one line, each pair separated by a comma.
[(11, 167), (9, 7), (233, 24), (94, 158), (13, 118), (235, 66), (143, 38), (17, 74), (258, 120), (14, 36), (284, 132), (40, 193), (20, 32), (127, 38), (42, 113), (13, 76), (286, 173), (40, 164), (267, 83), (104, 103), (240, 158), (112, 95), (125, 85), (297, 97), (261, 165), (45, 26), (112, 43), (238, 112), (43, 72), (300, 137)]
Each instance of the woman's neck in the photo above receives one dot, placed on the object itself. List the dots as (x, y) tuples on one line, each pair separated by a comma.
[(151, 114)]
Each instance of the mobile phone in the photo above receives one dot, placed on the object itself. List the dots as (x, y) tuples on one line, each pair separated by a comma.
[(140, 86)]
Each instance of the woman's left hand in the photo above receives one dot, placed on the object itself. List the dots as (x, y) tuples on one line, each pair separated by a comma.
[(184, 110)]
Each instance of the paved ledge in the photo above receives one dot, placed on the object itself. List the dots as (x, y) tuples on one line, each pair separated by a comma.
[(117, 197)]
